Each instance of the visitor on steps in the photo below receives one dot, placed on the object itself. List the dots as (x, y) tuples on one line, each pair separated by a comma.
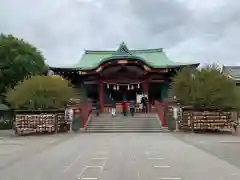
[(113, 107), (124, 108), (132, 107), (144, 102), (97, 106)]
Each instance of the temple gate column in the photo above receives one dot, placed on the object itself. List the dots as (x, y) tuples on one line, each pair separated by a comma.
[(101, 96), (145, 87)]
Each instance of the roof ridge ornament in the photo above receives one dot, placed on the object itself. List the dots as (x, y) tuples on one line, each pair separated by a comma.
[(122, 50)]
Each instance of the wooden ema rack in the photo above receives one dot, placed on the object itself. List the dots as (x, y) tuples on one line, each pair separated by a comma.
[(206, 120), (40, 123)]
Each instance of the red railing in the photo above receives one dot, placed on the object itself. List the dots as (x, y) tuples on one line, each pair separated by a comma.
[(85, 111), (161, 109)]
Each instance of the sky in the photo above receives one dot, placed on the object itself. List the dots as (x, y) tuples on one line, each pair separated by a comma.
[(204, 31)]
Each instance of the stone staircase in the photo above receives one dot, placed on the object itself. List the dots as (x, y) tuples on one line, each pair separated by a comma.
[(138, 123)]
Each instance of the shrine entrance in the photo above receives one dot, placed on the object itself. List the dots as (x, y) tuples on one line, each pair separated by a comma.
[(123, 82), (124, 92), (155, 92)]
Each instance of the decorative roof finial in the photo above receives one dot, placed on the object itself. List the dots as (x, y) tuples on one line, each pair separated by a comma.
[(123, 49)]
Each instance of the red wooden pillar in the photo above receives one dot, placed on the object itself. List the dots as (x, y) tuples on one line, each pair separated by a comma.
[(101, 96), (145, 87)]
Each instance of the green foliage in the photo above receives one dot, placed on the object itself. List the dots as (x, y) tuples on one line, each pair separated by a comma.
[(237, 101), (183, 85), (18, 60), (207, 87), (41, 92)]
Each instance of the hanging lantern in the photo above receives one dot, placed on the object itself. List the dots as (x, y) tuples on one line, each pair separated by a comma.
[(132, 87), (138, 86), (108, 86), (128, 87), (117, 87), (114, 87)]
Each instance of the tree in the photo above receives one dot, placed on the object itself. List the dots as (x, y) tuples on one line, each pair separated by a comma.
[(183, 85), (18, 60), (41, 92), (207, 88)]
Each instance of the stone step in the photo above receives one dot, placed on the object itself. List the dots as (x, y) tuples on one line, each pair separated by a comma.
[(124, 127), (121, 126), (106, 122), (124, 131), (107, 126), (144, 122), (125, 124), (128, 115), (131, 121), (123, 120), (138, 123)]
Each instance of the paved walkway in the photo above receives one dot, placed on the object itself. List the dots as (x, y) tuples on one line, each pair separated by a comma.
[(131, 156), (6, 133), (226, 147)]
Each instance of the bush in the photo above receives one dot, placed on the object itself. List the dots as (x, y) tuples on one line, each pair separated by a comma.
[(207, 88), (41, 92)]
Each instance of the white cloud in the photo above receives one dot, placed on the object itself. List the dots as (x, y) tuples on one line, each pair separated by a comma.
[(189, 30)]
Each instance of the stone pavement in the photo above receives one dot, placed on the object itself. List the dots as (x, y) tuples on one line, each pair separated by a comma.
[(6, 133), (110, 156), (226, 147)]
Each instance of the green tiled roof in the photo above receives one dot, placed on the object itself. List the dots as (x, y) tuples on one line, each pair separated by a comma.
[(232, 71), (155, 58)]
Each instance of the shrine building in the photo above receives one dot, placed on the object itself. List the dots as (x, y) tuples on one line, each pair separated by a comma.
[(233, 72), (123, 74)]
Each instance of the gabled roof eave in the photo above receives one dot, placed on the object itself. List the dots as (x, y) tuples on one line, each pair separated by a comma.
[(227, 71), (132, 51), (233, 78), (155, 67)]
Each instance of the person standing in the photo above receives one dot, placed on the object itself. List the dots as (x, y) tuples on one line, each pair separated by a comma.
[(124, 108), (144, 102), (132, 107), (113, 107), (97, 106)]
